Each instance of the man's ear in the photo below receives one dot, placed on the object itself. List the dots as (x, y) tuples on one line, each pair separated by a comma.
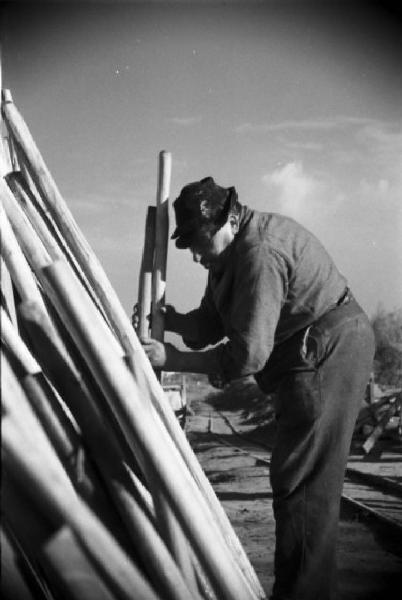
[(234, 223)]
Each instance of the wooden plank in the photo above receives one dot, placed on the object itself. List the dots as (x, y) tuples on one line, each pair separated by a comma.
[(379, 429)]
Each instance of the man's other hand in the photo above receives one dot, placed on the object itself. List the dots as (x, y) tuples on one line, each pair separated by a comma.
[(160, 355)]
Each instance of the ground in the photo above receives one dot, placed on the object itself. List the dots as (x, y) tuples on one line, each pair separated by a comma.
[(369, 568)]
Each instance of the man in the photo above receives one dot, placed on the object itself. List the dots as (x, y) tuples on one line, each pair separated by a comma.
[(281, 311)]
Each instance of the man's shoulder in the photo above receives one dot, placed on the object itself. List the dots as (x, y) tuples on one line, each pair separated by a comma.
[(268, 228)]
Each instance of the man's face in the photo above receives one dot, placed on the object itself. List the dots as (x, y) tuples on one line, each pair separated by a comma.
[(206, 250)]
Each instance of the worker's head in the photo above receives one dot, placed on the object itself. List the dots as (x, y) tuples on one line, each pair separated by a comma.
[(207, 217)]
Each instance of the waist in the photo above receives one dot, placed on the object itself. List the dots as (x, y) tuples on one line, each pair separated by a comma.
[(289, 355)]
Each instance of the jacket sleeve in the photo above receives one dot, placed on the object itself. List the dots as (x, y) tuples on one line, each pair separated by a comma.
[(204, 324), (260, 289)]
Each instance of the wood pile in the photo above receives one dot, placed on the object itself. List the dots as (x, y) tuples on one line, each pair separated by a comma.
[(102, 496), (381, 412)]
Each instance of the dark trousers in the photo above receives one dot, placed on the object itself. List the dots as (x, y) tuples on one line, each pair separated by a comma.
[(326, 370)]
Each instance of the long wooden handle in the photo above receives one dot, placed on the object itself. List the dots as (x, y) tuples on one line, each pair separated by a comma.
[(161, 244), (145, 282)]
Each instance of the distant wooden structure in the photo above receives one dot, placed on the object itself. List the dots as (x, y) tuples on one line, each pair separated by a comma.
[(382, 407), (102, 496)]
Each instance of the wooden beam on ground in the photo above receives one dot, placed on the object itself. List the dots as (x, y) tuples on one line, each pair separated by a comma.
[(379, 428)]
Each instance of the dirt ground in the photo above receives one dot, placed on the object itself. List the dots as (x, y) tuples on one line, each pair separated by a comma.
[(369, 567)]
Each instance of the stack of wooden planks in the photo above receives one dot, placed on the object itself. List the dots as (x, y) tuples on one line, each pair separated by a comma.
[(102, 496)]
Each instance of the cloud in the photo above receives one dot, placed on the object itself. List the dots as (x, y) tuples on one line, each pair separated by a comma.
[(292, 186), (309, 146), (185, 121), (318, 124)]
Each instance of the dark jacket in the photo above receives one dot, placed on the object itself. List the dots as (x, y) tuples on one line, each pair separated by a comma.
[(275, 280)]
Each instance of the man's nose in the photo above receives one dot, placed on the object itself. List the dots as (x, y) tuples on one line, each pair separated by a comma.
[(196, 257)]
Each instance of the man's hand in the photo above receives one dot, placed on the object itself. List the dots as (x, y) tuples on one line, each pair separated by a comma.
[(168, 311), (135, 317), (160, 355)]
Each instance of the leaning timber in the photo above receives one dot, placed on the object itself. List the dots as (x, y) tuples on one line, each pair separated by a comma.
[(102, 494)]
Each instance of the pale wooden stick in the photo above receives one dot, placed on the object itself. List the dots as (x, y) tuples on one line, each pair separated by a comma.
[(149, 442), (45, 227), (72, 569), (145, 279), (118, 479), (161, 244), (34, 250), (49, 489), (172, 530), (175, 538), (27, 203), (17, 264), (32, 247), (8, 292), (121, 325), (169, 580), (42, 398), (65, 222), (13, 341), (144, 373)]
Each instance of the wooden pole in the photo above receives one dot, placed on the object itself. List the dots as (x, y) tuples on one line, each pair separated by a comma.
[(19, 579), (33, 248), (13, 341), (64, 220), (72, 569), (17, 264), (129, 496), (145, 279), (151, 294), (149, 443), (7, 291), (163, 412), (34, 463), (48, 489), (120, 322), (45, 228), (161, 244)]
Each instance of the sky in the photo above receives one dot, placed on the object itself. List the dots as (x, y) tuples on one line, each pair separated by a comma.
[(298, 105)]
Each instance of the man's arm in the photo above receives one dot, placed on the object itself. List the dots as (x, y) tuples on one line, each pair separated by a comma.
[(199, 327), (260, 290), (169, 358)]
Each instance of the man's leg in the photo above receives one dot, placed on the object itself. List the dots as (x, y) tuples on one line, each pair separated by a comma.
[(318, 405)]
